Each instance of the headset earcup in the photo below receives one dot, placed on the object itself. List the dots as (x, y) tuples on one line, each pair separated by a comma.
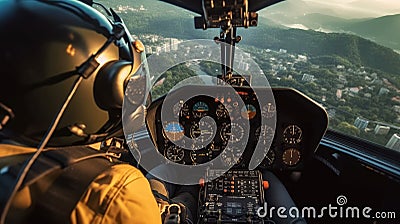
[(109, 84)]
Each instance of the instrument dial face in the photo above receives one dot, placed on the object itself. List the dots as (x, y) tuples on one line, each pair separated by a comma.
[(200, 109), (181, 109), (202, 132), (269, 110), (201, 156), (174, 131), (221, 112), (264, 134), (233, 132), (292, 134), (184, 111), (291, 157), (231, 155), (248, 111), (174, 153), (270, 157)]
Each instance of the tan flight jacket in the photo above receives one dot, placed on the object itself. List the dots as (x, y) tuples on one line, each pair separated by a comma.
[(121, 194)]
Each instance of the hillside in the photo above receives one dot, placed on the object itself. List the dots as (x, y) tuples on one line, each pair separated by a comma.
[(356, 50), (384, 30)]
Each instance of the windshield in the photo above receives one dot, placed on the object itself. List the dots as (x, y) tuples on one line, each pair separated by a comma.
[(344, 54)]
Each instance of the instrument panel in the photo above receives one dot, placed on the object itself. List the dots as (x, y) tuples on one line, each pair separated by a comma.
[(200, 129)]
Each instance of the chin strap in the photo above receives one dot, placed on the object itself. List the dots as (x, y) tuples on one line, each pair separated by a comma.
[(5, 115)]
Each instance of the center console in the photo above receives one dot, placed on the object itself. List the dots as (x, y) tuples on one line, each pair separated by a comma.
[(234, 196)]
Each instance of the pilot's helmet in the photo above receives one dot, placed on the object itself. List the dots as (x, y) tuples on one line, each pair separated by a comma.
[(43, 47)]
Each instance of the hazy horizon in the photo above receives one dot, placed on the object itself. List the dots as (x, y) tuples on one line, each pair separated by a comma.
[(348, 9)]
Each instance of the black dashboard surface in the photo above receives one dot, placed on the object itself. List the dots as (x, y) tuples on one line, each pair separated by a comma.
[(210, 123)]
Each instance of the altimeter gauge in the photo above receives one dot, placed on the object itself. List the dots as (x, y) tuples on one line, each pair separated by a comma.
[(292, 134), (174, 153), (202, 132)]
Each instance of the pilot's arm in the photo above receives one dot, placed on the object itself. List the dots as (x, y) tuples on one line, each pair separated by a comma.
[(120, 195), (277, 196)]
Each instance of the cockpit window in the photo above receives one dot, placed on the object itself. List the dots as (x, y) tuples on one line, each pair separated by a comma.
[(343, 54)]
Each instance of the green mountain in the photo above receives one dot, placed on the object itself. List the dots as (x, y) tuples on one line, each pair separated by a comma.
[(352, 48), (321, 21), (383, 30)]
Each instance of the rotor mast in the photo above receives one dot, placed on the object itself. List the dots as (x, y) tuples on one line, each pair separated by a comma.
[(227, 15)]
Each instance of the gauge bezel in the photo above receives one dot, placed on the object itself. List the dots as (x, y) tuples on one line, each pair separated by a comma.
[(172, 138), (174, 147), (292, 138), (293, 161)]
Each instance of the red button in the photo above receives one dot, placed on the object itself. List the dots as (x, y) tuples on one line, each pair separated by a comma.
[(265, 184), (202, 182)]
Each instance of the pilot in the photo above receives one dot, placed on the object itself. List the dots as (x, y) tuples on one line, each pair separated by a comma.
[(61, 62)]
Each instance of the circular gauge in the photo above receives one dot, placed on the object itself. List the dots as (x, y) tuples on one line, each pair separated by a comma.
[(269, 110), (231, 155), (174, 153), (292, 134), (291, 157), (178, 108), (215, 147), (249, 111), (264, 134), (229, 108), (200, 109), (202, 132), (270, 157), (221, 112), (185, 111), (233, 132), (174, 131), (200, 156)]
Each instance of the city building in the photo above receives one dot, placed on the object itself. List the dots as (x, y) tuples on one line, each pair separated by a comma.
[(396, 108), (368, 95), (383, 91), (302, 58), (339, 93), (308, 78), (174, 44), (282, 51), (394, 142), (381, 130), (243, 66), (361, 123), (354, 90)]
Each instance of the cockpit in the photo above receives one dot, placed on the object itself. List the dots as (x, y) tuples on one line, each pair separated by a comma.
[(233, 111)]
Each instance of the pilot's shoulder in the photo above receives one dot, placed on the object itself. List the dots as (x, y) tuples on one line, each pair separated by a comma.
[(12, 154), (12, 150), (120, 194)]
